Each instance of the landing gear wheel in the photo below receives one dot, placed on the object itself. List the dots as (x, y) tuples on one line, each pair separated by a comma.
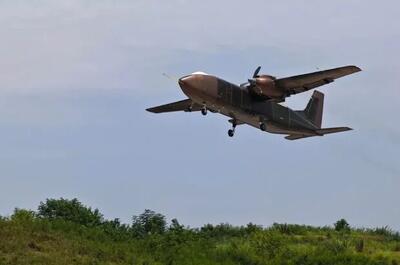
[(263, 127), (204, 111), (231, 132)]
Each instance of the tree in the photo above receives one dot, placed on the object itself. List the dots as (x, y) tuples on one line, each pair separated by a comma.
[(342, 225), (149, 222), (70, 210)]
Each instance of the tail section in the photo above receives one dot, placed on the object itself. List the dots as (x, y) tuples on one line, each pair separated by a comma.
[(313, 113), (314, 109)]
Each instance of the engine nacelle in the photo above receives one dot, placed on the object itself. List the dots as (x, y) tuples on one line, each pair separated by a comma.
[(264, 86)]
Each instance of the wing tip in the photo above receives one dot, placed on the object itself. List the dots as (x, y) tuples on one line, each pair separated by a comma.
[(346, 128), (152, 110), (354, 68)]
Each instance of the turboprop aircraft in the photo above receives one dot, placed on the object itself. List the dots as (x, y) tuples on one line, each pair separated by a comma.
[(256, 102)]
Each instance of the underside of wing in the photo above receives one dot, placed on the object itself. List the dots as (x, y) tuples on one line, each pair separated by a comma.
[(183, 105), (297, 136), (301, 83)]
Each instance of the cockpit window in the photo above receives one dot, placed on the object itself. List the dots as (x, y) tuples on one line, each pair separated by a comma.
[(199, 73)]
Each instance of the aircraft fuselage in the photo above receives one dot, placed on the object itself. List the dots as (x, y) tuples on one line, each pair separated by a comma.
[(229, 99)]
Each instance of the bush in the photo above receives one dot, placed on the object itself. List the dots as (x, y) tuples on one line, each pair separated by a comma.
[(268, 244), (342, 225), (223, 230), (149, 222), (360, 245), (176, 226), (335, 246), (116, 230), (387, 232), (70, 210), (252, 228), (22, 215)]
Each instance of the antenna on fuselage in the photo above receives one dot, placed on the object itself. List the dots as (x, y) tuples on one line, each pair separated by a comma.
[(172, 78)]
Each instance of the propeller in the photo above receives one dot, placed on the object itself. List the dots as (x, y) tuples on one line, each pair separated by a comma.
[(255, 75), (252, 80)]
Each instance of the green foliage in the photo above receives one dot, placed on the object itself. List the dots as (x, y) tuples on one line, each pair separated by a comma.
[(397, 247), (359, 245), (222, 230), (116, 230), (81, 236), (387, 232), (294, 229), (70, 210), (252, 228), (268, 244), (22, 215), (342, 225), (147, 223), (176, 226)]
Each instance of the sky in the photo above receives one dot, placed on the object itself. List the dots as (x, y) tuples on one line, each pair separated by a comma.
[(77, 76)]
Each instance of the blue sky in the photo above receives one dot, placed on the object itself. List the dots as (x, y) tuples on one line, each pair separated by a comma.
[(76, 76)]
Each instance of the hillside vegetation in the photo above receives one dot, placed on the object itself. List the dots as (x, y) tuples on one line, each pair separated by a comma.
[(67, 232)]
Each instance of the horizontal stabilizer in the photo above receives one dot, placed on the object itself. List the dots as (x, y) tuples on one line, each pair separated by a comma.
[(333, 130), (319, 132), (183, 105)]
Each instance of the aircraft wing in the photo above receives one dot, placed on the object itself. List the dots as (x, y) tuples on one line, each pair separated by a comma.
[(183, 105), (301, 83)]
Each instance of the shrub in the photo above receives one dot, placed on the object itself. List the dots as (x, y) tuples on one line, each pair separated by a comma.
[(22, 215), (252, 228), (115, 229), (397, 248), (176, 226), (335, 246), (342, 225), (268, 244), (359, 245), (149, 222)]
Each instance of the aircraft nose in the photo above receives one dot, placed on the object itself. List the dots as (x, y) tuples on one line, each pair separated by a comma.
[(186, 80), (188, 84)]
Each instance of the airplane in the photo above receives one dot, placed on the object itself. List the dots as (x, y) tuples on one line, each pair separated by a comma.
[(256, 102)]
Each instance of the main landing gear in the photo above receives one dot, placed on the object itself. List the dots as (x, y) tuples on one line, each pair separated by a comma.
[(204, 110), (231, 132), (263, 127)]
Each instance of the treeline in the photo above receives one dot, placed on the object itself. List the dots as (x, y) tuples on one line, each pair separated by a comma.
[(61, 226)]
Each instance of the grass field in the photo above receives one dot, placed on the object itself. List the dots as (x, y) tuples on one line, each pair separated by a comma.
[(53, 237)]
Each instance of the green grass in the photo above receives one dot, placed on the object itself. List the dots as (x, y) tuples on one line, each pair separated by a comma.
[(27, 238)]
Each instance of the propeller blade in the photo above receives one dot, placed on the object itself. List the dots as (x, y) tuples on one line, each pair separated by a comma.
[(255, 75), (252, 81)]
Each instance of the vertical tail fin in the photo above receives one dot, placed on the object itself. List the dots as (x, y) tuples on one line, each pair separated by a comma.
[(314, 108)]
